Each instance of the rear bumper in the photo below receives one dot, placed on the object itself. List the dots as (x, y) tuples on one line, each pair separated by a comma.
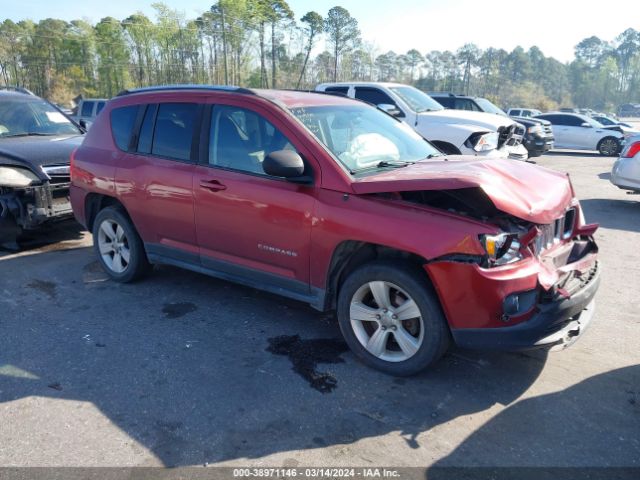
[(625, 174), (557, 324)]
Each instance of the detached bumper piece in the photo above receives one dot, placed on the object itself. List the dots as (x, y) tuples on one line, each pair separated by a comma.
[(29, 208), (556, 324)]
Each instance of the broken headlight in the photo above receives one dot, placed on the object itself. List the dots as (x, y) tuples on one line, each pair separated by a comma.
[(16, 177), (488, 141), (502, 248)]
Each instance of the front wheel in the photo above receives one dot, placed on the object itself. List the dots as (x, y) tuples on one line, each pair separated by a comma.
[(609, 146), (391, 318)]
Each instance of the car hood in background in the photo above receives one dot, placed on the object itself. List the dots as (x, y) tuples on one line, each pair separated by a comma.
[(526, 191), (529, 121), (489, 121), (35, 151)]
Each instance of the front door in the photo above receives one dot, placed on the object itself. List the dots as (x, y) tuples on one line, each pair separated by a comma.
[(249, 224)]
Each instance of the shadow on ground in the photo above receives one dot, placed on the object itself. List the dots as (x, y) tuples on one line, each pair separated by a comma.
[(612, 213), (59, 235), (559, 433), (574, 153), (180, 363)]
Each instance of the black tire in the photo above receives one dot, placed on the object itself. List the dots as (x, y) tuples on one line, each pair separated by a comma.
[(605, 146), (436, 337), (138, 264)]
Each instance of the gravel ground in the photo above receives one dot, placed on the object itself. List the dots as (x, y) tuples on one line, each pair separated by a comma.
[(182, 369)]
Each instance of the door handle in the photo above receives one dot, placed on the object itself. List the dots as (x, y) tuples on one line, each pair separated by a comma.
[(212, 185)]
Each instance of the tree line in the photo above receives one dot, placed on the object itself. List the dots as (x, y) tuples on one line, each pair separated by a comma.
[(260, 43)]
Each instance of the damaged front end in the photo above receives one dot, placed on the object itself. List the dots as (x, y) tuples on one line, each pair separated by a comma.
[(29, 200), (535, 285)]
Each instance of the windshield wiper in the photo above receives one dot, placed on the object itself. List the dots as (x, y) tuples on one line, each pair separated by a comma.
[(383, 164), (30, 134)]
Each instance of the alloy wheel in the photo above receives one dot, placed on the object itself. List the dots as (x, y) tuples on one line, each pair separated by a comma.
[(113, 245), (386, 321)]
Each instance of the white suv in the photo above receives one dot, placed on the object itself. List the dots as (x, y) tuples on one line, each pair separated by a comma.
[(523, 112), (578, 132), (452, 131)]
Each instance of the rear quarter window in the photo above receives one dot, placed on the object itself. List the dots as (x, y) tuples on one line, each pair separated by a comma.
[(122, 122), (87, 109)]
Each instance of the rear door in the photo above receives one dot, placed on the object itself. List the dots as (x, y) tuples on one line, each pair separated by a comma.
[(250, 225), (562, 129), (155, 179)]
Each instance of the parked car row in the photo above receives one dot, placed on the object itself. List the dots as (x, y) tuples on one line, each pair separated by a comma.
[(453, 132)]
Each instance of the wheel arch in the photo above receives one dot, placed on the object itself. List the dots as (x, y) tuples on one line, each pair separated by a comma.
[(94, 202), (351, 254)]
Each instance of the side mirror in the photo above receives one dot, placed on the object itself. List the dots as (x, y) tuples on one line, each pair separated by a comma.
[(586, 125), (287, 164), (391, 110)]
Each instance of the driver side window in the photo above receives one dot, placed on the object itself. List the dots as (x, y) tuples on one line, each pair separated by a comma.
[(240, 139)]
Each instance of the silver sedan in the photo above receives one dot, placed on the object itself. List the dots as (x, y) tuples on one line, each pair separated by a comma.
[(626, 169)]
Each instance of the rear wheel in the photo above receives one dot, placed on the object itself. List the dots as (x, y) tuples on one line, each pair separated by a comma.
[(391, 318), (609, 146), (118, 246)]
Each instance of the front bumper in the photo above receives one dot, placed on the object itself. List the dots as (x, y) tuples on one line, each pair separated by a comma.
[(555, 325), (31, 207), (536, 145), (625, 173)]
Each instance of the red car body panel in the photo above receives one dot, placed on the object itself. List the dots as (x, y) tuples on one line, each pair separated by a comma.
[(221, 218)]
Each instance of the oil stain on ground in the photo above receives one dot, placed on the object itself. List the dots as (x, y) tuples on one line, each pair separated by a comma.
[(177, 310), (307, 354), (46, 287)]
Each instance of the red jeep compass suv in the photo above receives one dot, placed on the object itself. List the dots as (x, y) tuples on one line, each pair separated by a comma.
[(333, 202)]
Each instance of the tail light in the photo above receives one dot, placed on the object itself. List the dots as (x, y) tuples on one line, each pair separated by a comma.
[(72, 159), (631, 150)]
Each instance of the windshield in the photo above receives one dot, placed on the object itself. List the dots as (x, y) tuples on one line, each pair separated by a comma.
[(33, 117), (362, 137), (605, 120), (489, 107), (417, 100)]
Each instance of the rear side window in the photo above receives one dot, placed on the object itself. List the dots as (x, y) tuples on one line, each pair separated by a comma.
[(466, 104), (174, 130), (341, 90), (122, 122), (445, 101), (100, 107), (373, 96), (87, 109), (145, 138)]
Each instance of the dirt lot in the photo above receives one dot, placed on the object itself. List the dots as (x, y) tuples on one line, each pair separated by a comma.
[(182, 369)]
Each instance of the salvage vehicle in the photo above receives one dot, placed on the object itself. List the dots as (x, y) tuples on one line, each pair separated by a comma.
[(453, 132), (330, 201), (579, 132), (625, 173), (538, 137), (36, 140)]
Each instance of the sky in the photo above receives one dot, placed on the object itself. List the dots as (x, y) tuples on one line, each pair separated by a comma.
[(555, 26)]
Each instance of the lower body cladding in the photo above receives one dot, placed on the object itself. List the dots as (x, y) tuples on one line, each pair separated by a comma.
[(29, 208), (536, 146), (508, 308), (625, 174)]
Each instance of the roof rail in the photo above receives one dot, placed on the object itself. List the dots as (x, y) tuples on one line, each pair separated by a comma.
[(26, 91), (163, 88)]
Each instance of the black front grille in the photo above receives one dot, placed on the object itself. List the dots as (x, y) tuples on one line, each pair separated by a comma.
[(57, 173)]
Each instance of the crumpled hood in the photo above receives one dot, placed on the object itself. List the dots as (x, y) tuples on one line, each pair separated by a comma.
[(526, 191), (35, 152), (489, 121)]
